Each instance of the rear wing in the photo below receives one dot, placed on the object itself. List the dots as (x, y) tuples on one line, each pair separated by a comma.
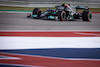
[(81, 7), (77, 7)]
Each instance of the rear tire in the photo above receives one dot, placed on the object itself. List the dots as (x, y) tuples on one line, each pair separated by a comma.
[(37, 11), (61, 15), (86, 16)]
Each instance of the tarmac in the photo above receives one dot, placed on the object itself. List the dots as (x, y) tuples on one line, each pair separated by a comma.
[(19, 21)]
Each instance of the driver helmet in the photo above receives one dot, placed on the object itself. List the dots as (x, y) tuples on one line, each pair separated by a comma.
[(64, 4)]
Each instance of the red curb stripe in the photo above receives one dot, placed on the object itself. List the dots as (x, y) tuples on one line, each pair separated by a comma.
[(52, 34), (48, 62), (95, 12)]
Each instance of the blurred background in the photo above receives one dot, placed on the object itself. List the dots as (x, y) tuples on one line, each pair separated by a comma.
[(48, 3), (90, 56)]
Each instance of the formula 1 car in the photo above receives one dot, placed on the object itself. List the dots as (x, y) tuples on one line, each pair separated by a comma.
[(62, 13)]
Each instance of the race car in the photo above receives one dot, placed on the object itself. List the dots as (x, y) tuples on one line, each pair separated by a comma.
[(62, 13)]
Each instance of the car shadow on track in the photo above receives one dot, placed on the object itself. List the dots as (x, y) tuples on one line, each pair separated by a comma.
[(73, 20)]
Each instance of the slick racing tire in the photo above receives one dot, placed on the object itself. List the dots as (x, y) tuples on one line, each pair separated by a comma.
[(37, 11), (86, 16), (61, 15)]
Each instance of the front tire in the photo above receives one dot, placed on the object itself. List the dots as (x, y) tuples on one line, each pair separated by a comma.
[(37, 11), (86, 16), (61, 15)]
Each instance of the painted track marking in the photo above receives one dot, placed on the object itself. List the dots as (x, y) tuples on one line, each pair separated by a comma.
[(50, 62)]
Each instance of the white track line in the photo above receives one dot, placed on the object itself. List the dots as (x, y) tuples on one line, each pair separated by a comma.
[(7, 57)]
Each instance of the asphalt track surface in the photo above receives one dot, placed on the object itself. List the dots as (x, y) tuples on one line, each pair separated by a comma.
[(57, 57), (19, 21)]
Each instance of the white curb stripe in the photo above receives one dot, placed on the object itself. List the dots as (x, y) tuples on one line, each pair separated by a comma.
[(48, 42)]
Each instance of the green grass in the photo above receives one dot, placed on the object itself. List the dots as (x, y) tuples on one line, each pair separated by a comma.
[(42, 8), (93, 10)]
